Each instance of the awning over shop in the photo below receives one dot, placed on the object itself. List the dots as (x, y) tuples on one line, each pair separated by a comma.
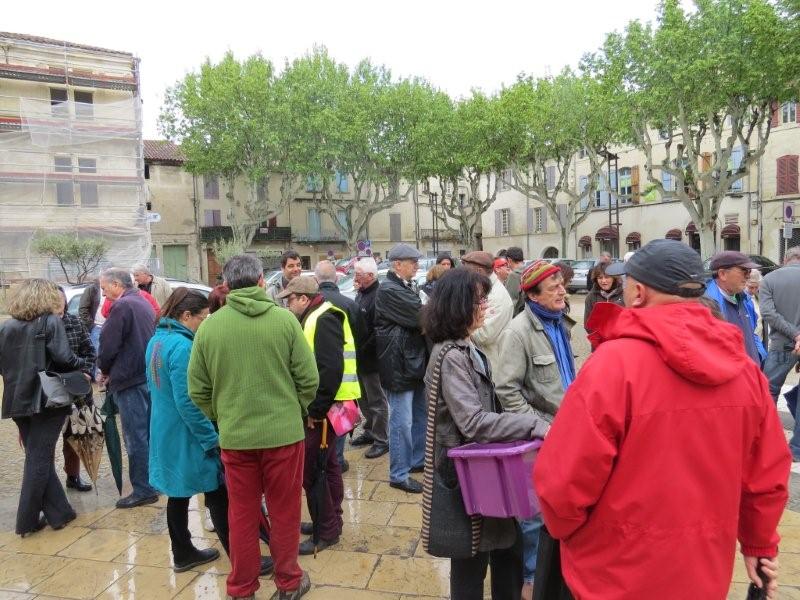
[(634, 237), (730, 231), (674, 234), (585, 241), (606, 233), (691, 228)]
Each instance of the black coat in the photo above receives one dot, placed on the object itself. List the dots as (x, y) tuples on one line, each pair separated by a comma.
[(367, 351), (90, 301), (20, 359), (123, 341), (402, 353)]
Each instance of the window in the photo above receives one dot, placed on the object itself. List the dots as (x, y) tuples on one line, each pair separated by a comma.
[(210, 187), (602, 196), (462, 200), (664, 133), (625, 186), (505, 180), (341, 216), (586, 252), (505, 221), (583, 153), (314, 223), (84, 107), (668, 181), (213, 218), (583, 181), (538, 219), (395, 227), (146, 171), (313, 183), (261, 190), (58, 102), (634, 246), (64, 188), (341, 182), (88, 188), (787, 175), (734, 162), (789, 112), (550, 177)]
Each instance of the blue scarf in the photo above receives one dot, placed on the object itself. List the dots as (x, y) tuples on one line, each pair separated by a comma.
[(553, 323)]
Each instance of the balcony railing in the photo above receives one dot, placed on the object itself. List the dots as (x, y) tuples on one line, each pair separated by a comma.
[(273, 234), (318, 236), (216, 233)]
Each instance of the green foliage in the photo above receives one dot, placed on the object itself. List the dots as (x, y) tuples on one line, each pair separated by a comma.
[(224, 250), (76, 256)]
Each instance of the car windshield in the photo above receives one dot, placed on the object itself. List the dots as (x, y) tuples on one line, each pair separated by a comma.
[(583, 264)]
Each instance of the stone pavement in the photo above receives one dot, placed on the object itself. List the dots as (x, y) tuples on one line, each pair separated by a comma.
[(109, 553)]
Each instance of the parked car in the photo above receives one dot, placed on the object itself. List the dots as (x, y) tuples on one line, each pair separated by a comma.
[(75, 292), (580, 281), (765, 264), (347, 284)]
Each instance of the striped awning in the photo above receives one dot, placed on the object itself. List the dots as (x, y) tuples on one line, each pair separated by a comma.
[(585, 241), (691, 228), (730, 231), (606, 233), (634, 237), (674, 234)]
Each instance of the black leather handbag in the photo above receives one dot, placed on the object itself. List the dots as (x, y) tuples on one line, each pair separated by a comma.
[(455, 534), (60, 389)]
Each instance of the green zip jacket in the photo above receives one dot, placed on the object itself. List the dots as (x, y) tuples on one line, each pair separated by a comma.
[(252, 372)]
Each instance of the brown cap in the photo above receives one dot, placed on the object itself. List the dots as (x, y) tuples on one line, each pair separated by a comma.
[(480, 258), (305, 284), (731, 258)]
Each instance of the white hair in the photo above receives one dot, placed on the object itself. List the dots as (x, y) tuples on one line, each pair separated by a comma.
[(755, 276), (367, 265), (792, 254), (627, 256), (325, 272), (142, 268)]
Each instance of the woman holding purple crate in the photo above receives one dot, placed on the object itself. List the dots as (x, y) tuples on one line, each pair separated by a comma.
[(462, 408)]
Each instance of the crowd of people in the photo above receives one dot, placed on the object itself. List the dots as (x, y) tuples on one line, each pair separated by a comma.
[(659, 454)]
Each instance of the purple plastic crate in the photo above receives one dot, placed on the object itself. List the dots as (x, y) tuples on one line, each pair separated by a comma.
[(497, 479)]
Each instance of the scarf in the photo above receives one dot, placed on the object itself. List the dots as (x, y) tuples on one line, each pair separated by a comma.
[(553, 323)]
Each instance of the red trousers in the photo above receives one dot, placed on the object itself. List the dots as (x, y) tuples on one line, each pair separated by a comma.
[(277, 473)]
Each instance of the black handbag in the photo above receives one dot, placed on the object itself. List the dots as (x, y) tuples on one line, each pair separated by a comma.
[(455, 533), (60, 389)]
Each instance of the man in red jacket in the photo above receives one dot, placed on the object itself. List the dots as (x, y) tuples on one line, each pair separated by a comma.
[(667, 447)]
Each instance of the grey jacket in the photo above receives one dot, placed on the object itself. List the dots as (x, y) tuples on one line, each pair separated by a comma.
[(517, 296), (780, 308), (467, 411), (527, 376)]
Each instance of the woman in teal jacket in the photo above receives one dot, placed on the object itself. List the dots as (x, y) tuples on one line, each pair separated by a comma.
[(184, 447)]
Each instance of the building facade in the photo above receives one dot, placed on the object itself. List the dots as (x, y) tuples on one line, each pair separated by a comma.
[(70, 152)]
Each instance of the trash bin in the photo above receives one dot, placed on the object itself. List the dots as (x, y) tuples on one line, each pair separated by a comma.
[(497, 479)]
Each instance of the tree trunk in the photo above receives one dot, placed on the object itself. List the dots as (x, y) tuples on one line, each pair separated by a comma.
[(708, 241), (564, 237)]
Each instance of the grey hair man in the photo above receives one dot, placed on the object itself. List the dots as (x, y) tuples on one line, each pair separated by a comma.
[(780, 309), (123, 342), (374, 405), (157, 287)]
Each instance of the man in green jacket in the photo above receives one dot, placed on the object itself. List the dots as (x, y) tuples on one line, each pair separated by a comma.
[(253, 372)]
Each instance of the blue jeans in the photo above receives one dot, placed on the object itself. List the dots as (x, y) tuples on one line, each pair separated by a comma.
[(530, 546), (94, 337), (134, 411), (776, 368), (407, 418)]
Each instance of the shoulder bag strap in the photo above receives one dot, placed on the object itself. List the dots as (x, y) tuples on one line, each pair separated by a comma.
[(430, 446), (41, 344)]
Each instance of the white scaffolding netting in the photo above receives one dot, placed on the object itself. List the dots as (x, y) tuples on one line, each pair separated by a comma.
[(75, 169)]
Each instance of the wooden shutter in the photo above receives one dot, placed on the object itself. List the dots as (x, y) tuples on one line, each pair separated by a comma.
[(775, 114), (510, 221), (635, 196), (544, 220), (791, 174), (498, 223), (395, 228), (530, 220), (736, 161)]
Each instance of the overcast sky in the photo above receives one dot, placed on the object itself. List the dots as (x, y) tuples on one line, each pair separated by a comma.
[(456, 45)]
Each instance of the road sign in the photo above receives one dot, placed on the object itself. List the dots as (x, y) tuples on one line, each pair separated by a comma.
[(788, 230), (364, 247), (788, 212), (153, 217)]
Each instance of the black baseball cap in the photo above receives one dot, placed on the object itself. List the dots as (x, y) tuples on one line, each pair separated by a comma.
[(668, 266)]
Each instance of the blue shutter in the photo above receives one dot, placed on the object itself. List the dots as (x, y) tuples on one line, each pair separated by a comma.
[(601, 195), (341, 182), (582, 183), (736, 162), (666, 181)]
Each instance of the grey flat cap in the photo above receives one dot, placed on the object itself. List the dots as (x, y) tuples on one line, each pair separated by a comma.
[(404, 252)]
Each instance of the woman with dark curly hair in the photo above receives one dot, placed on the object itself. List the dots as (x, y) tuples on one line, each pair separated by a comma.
[(605, 288), (466, 411)]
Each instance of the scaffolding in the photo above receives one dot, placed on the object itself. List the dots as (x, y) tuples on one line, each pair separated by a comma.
[(71, 157)]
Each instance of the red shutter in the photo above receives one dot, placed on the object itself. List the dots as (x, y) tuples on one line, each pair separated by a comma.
[(780, 178), (791, 174), (775, 112)]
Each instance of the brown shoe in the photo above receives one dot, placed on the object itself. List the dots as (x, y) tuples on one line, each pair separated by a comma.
[(302, 590)]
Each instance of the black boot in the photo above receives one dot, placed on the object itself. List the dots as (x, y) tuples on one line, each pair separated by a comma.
[(196, 558), (76, 483)]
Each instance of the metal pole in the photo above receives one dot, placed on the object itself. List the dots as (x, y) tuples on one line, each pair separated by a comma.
[(435, 241)]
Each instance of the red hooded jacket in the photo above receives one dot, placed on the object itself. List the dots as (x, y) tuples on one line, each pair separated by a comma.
[(666, 449)]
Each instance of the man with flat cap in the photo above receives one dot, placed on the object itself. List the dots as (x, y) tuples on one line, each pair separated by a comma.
[(328, 331), (729, 273), (402, 358), (500, 308), (667, 447)]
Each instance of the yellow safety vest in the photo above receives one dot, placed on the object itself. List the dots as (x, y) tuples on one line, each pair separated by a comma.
[(349, 389)]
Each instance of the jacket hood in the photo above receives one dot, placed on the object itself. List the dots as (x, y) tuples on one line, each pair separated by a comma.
[(250, 301), (693, 343), (168, 325)]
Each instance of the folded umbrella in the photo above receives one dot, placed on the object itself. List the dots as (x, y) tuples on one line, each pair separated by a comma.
[(319, 486), (113, 443), (85, 435)]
